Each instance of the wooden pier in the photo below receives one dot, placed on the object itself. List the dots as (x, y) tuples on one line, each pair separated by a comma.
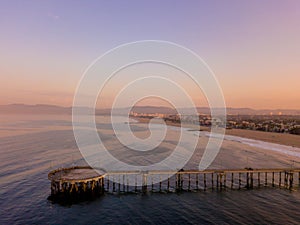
[(77, 181)]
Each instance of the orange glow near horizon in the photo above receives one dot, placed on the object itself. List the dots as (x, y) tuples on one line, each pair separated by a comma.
[(280, 95)]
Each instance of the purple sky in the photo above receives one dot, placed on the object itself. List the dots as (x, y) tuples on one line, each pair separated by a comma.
[(252, 46)]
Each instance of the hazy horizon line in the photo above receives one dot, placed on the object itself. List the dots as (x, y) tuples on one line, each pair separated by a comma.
[(227, 107)]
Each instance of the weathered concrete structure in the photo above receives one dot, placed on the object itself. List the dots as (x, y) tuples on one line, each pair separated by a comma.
[(77, 181)]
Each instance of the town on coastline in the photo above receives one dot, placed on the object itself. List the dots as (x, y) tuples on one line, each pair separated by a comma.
[(268, 123)]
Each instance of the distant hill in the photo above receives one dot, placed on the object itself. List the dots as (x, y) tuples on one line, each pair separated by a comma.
[(34, 109), (248, 111), (154, 109), (53, 109)]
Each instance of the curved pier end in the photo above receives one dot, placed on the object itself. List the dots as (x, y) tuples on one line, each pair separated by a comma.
[(77, 181)]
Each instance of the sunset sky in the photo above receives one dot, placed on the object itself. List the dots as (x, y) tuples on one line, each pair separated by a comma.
[(253, 47)]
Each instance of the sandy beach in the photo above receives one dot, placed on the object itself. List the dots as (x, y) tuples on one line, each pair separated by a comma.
[(236, 154), (278, 138)]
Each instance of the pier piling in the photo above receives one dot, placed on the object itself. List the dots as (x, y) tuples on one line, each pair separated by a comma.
[(84, 180)]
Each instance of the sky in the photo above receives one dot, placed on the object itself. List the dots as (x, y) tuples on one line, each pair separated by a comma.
[(252, 47)]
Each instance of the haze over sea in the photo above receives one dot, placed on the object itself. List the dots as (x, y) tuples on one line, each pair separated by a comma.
[(32, 145)]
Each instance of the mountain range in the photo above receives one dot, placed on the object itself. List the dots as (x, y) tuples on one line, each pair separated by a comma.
[(54, 109)]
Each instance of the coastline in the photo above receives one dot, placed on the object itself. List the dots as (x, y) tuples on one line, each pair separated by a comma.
[(277, 138)]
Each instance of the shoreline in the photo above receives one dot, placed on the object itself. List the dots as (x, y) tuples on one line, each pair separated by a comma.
[(277, 138)]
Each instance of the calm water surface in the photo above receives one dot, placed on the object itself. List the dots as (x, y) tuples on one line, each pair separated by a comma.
[(32, 145)]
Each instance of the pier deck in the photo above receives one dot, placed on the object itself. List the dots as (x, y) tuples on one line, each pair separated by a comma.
[(83, 180)]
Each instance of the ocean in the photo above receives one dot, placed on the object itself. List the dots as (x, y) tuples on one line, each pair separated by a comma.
[(32, 145)]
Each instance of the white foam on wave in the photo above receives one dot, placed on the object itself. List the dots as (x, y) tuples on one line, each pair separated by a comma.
[(285, 149), (289, 150)]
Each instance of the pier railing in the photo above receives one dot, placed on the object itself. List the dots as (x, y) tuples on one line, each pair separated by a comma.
[(171, 181)]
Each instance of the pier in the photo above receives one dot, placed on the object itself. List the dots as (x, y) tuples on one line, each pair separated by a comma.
[(76, 181)]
